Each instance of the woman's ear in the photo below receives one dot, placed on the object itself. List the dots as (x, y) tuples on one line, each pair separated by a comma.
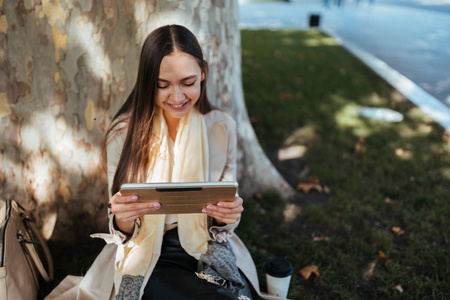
[(205, 70)]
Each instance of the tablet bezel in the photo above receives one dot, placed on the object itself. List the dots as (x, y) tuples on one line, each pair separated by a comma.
[(181, 197)]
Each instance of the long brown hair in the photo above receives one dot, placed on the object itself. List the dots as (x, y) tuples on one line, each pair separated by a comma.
[(138, 110)]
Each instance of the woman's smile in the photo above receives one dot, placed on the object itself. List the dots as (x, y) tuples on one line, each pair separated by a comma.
[(178, 106)]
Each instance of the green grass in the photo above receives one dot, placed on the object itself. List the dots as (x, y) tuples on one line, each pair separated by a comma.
[(302, 88)]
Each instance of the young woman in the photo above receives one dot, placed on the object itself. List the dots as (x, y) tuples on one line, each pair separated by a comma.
[(167, 131)]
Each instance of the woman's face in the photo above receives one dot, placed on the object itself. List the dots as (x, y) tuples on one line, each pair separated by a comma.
[(178, 84)]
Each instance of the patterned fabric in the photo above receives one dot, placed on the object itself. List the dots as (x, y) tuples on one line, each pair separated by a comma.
[(130, 287), (218, 265)]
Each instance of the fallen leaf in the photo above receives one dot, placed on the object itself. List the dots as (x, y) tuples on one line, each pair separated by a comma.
[(286, 96), (290, 212), (307, 271), (368, 270), (291, 152), (399, 288), (320, 238), (389, 200), (405, 154), (360, 148), (254, 120), (326, 190), (381, 254), (397, 230), (306, 187)]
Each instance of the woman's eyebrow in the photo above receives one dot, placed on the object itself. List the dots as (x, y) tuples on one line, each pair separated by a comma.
[(184, 79)]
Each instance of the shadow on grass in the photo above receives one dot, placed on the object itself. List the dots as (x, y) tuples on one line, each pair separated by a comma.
[(302, 88)]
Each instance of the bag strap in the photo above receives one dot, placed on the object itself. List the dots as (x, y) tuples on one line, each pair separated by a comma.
[(37, 260), (31, 248)]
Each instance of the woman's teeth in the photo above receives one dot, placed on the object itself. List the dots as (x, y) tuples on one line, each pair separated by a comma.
[(179, 105)]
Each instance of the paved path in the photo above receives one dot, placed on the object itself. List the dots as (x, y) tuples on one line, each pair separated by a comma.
[(405, 41)]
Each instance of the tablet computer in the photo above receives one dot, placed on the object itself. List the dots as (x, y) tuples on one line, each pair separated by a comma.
[(181, 197)]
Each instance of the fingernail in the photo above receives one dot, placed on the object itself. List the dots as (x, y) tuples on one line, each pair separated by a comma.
[(156, 205), (220, 204), (204, 211), (134, 197), (209, 207)]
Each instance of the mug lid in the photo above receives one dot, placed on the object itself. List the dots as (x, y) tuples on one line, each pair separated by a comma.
[(279, 267)]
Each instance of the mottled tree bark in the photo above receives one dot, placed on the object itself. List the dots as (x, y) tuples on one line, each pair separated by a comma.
[(66, 68)]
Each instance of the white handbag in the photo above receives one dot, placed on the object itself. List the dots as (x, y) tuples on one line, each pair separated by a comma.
[(21, 251)]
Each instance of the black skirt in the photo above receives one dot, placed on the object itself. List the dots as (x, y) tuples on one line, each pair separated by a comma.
[(174, 276)]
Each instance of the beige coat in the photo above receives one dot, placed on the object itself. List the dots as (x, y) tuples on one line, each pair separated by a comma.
[(98, 282)]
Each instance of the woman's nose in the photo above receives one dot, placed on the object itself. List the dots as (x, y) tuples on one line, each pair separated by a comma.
[(178, 94)]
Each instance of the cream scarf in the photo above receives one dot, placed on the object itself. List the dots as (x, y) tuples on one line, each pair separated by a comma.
[(136, 260)]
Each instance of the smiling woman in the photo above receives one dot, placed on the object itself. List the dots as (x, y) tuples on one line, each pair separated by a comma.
[(167, 131)]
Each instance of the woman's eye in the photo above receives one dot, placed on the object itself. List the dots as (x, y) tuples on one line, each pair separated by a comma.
[(162, 86), (190, 84)]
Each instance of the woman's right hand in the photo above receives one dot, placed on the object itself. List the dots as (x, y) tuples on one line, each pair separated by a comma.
[(126, 210)]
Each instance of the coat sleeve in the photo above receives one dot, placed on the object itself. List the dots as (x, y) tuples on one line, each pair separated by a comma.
[(113, 151), (221, 233)]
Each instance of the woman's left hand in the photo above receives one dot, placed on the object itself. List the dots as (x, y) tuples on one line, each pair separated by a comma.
[(225, 212)]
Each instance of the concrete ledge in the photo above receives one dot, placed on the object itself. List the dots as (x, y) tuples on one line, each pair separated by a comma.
[(426, 102)]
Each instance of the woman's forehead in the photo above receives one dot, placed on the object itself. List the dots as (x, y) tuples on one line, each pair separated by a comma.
[(178, 65)]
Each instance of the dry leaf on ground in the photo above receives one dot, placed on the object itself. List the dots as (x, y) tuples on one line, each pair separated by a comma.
[(254, 120), (292, 152), (307, 271), (360, 148), (405, 154), (286, 96), (389, 200), (368, 270), (397, 230), (306, 187), (399, 288), (320, 238), (381, 254)]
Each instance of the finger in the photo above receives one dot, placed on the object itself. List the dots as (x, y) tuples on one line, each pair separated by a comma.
[(220, 215), (225, 210), (231, 204), (223, 215), (119, 199), (133, 215)]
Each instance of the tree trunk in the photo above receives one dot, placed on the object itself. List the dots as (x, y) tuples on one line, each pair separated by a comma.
[(66, 68)]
